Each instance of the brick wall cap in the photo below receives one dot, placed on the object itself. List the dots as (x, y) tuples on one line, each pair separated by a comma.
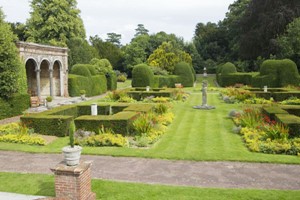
[(78, 169)]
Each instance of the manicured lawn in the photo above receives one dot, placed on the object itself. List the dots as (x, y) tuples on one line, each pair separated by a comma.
[(194, 135), (38, 184)]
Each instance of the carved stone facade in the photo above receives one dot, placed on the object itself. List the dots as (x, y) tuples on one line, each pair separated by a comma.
[(46, 69)]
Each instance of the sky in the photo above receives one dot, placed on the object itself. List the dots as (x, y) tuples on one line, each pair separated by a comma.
[(122, 16)]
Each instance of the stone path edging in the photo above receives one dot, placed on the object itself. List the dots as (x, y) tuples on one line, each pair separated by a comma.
[(154, 171)]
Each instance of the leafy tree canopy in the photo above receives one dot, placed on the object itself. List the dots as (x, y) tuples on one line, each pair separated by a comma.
[(166, 57), (54, 22), (12, 72)]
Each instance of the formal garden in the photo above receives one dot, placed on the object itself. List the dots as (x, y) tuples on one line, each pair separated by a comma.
[(230, 95)]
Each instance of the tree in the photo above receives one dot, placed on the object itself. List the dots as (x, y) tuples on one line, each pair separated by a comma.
[(80, 52), (141, 30), (166, 57), (210, 41), (233, 29), (261, 24), (12, 72), (108, 51), (289, 43), (54, 22), (19, 29), (135, 53), (114, 38)]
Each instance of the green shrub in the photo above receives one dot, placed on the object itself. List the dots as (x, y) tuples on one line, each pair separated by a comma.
[(183, 70), (81, 69), (166, 81), (118, 123), (142, 76), (57, 125), (234, 78), (228, 68), (92, 69), (14, 105), (94, 85), (291, 121), (264, 80), (99, 85), (280, 96), (279, 72), (111, 80)]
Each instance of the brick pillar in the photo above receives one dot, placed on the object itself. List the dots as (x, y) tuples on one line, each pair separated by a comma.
[(73, 182)]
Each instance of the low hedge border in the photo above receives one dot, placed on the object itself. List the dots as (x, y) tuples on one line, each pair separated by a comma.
[(119, 123), (292, 121), (56, 121), (141, 93)]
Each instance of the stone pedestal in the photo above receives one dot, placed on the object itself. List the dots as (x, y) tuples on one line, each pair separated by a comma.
[(73, 182)]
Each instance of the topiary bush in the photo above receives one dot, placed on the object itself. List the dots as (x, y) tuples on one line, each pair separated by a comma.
[(280, 73), (81, 69), (93, 85), (142, 76), (186, 77), (228, 68)]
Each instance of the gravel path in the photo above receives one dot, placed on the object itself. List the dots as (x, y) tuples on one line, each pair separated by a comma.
[(154, 171)]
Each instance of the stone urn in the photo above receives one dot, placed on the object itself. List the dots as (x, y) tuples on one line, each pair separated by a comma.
[(72, 155), (72, 152)]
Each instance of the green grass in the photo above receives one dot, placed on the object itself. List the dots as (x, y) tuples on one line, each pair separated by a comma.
[(43, 185), (199, 135), (126, 84)]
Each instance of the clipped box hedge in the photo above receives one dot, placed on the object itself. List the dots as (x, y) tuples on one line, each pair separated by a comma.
[(166, 81), (57, 125), (272, 111), (280, 96), (56, 121), (93, 85), (141, 93), (292, 109), (120, 123), (292, 121), (234, 78)]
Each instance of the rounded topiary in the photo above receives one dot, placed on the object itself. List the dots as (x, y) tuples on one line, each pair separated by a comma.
[(142, 76), (284, 71), (228, 68), (288, 73), (269, 67), (183, 70), (81, 69), (92, 69)]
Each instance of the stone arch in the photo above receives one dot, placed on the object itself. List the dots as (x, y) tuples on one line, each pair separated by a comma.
[(31, 67), (45, 77), (57, 69), (51, 68)]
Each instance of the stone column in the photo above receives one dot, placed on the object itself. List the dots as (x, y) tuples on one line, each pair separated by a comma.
[(38, 82), (51, 82), (73, 182)]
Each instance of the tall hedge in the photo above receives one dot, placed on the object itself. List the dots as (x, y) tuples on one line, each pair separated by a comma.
[(186, 77), (94, 85), (111, 80), (142, 76), (81, 69)]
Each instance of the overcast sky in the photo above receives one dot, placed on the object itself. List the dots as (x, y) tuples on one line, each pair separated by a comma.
[(122, 16)]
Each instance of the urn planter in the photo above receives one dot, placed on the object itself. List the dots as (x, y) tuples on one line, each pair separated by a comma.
[(72, 155)]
